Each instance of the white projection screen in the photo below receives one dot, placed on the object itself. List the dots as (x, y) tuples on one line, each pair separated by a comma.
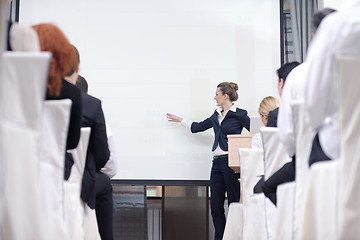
[(144, 58)]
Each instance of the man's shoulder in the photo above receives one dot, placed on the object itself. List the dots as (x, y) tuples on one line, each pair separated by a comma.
[(69, 89), (88, 99)]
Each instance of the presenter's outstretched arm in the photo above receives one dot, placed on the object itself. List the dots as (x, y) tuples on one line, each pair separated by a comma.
[(173, 118)]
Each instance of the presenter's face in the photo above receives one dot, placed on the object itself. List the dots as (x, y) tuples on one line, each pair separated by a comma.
[(220, 97)]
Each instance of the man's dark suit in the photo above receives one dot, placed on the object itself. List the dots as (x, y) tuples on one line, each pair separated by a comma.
[(98, 151), (96, 188)]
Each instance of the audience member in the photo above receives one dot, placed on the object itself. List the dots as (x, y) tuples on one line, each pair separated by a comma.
[(338, 35), (294, 89), (282, 73), (287, 172), (96, 188), (267, 104), (110, 168), (54, 41)]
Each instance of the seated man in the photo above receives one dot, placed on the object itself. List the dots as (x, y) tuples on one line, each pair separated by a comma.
[(96, 188)]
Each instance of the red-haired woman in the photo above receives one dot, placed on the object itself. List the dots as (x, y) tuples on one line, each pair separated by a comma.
[(53, 40)]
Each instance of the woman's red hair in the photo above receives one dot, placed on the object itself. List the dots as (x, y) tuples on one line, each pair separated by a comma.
[(53, 40)]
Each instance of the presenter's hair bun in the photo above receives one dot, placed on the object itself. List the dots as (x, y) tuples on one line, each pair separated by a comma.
[(234, 86)]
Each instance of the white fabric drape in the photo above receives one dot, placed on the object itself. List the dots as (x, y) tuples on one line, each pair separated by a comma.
[(233, 229), (285, 206), (275, 157), (349, 197), (320, 202), (51, 149), (255, 226), (304, 136), (74, 206), (22, 90)]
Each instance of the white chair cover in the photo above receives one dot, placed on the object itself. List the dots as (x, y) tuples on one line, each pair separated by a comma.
[(233, 229), (255, 124), (275, 157), (320, 210), (349, 197), (79, 155), (52, 141), (88, 227), (22, 89), (74, 206), (23, 86), (91, 230), (304, 136), (254, 225), (285, 204), (19, 202), (251, 168)]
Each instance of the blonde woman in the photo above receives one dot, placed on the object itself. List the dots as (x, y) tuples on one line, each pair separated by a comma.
[(267, 105)]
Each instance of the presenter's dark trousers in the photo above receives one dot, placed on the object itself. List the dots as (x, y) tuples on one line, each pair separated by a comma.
[(104, 206), (222, 179)]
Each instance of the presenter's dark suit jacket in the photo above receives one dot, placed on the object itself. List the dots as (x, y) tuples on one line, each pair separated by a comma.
[(272, 118), (233, 123), (98, 150)]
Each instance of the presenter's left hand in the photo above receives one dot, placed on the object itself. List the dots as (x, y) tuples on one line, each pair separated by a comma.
[(173, 118)]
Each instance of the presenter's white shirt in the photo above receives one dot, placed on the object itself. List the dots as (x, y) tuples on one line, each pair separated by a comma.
[(293, 89), (338, 35), (218, 151)]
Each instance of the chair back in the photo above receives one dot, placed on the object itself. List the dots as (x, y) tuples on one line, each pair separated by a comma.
[(251, 168), (52, 145), (79, 155), (319, 213), (22, 90), (74, 206), (349, 109), (254, 227), (304, 136), (23, 86), (285, 194), (19, 201), (275, 155)]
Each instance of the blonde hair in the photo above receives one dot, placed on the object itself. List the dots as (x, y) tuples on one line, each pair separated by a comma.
[(268, 104)]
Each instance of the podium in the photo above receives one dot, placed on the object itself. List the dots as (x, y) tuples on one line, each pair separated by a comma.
[(236, 141)]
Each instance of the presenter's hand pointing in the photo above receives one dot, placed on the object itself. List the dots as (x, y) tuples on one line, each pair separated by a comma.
[(173, 118)]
